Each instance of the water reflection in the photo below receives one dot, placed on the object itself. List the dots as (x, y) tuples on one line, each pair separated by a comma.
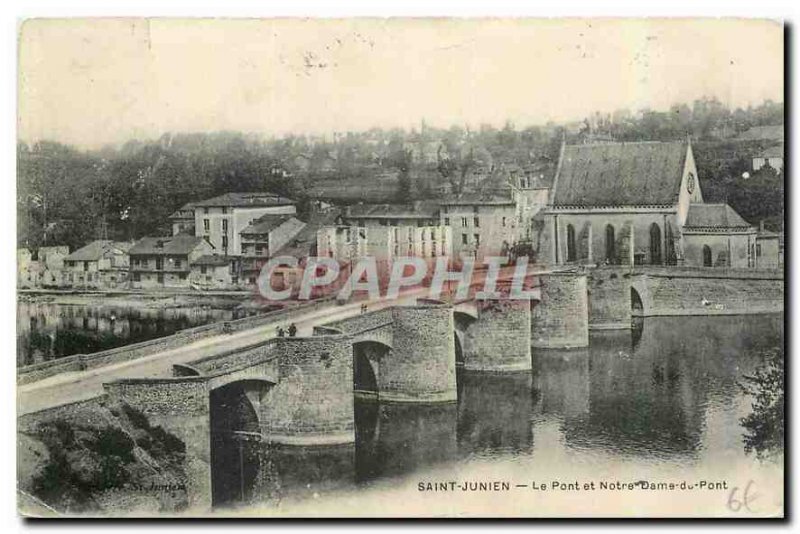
[(665, 395), (48, 330)]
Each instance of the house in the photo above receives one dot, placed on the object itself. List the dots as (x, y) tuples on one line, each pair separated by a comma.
[(483, 223), (100, 264), (267, 234), (50, 264), (212, 271), (262, 239), (221, 219), (165, 261), (769, 249), (25, 273), (418, 213), (771, 157), (182, 220), (638, 203)]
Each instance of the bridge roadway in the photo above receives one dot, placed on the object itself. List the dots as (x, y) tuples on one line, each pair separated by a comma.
[(66, 388)]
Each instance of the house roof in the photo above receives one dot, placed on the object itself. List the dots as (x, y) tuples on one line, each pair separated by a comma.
[(482, 197), (762, 132), (211, 259), (266, 223), (620, 174), (419, 209), (245, 200), (710, 216), (96, 250), (772, 152), (301, 244), (184, 212), (172, 245)]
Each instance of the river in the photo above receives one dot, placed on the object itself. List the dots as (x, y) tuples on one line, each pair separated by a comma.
[(660, 403)]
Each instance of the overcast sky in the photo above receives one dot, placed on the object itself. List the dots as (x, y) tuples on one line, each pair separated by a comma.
[(105, 81)]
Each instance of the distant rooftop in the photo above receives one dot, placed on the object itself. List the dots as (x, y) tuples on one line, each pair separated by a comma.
[(173, 245), (245, 200), (265, 224), (98, 249), (212, 260), (772, 152), (762, 132), (419, 209)]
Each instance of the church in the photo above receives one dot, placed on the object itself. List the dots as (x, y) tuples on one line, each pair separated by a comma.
[(638, 203)]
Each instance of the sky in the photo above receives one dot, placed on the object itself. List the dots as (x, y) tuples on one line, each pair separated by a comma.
[(92, 82)]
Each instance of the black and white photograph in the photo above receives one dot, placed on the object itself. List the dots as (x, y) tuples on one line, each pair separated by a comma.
[(428, 267)]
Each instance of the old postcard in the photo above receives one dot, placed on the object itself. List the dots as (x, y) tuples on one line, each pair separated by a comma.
[(400, 268)]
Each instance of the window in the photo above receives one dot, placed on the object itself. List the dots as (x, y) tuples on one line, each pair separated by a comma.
[(203, 269), (463, 222), (571, 253), (86, 266), (503, 221), (447, 221), (224, 226), (225, 243), (182, 276), (136, 277), (160, 278), (177, 263), (475, 210), (206, 225), (444, 209), (347, 236), (476, 222), (611, 254), (205, 210), (464, 239), (655, 244), (224, 210), (707, 259), (758, 250), (477, 240)]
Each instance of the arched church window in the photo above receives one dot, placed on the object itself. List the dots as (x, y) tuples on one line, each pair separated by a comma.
[(571, 255), (707, 256), (655, 244), (611, 252)]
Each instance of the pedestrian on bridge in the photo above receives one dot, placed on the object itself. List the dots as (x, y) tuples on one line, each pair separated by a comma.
[(292, 330), (281, 332)]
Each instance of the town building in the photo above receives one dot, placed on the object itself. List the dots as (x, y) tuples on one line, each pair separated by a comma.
[(100, 264), (50, 263), (213, 271), (165, 261), (25, 273), (182, 220), (262, 239), (484, 223), (771, 157), (638, 203), (769, 249), (221, 219), (418, 213)]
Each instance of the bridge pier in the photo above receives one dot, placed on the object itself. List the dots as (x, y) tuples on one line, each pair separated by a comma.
[(421, 366), (609, 298), (499, 339), (561, 318), (312, 402)]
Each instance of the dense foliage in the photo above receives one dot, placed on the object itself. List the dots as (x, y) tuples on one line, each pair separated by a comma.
[(70, 196), (764, 427)]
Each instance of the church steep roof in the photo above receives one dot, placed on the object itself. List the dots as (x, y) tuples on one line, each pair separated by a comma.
[(620, 174)]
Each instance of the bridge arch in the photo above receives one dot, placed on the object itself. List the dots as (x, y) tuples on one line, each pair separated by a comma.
[(367, 356), (235, 438)]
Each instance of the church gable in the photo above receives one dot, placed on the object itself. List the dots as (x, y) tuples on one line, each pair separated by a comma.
[(620, 174)]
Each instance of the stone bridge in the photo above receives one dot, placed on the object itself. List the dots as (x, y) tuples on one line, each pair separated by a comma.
[(300, 390), (616, 294)]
